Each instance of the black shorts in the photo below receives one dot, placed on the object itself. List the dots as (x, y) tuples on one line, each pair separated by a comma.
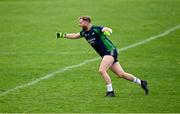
[(113, 53)]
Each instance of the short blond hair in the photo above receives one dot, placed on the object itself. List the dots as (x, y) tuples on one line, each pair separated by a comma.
[(85, 18)]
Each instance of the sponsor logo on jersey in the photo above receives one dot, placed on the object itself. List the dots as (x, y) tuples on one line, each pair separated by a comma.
[(91, 41)]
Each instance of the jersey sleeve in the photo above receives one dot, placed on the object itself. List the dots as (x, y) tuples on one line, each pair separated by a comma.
[(82, 33), (98, 29)]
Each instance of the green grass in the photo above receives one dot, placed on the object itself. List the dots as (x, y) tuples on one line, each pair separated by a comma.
[(29, 50)]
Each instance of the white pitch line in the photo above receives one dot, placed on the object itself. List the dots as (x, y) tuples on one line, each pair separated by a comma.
[(150, 38), (88, 61)]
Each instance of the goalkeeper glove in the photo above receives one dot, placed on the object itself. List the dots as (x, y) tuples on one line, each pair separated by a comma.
[(60, 35), (107, 33)]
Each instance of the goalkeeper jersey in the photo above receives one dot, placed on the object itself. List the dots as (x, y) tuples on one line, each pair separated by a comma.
[(98, 40)]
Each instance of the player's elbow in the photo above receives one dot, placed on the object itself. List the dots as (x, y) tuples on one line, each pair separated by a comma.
[(110, 30), (74, 36), (107, 29), (77, 35)]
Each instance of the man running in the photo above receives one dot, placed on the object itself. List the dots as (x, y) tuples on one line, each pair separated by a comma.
[(97, 37)]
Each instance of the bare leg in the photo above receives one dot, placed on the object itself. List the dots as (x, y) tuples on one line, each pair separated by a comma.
[(106, 63), (118, 70)]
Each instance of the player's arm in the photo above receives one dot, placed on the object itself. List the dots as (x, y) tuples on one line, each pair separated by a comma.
[(69, 35), (107, 31)]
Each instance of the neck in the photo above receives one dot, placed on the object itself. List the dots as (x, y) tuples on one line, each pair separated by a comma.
[(88, 27)]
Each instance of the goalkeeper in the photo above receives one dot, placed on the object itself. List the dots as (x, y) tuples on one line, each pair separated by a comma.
[(97, 37)]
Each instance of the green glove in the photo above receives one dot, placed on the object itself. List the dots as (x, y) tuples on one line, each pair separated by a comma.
[(107, 33), (60, 35)]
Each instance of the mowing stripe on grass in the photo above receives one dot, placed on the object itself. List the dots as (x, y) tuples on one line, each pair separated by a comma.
[(88, 61), (47, 53)]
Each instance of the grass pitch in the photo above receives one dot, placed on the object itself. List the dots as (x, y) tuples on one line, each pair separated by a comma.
[(29, 50)]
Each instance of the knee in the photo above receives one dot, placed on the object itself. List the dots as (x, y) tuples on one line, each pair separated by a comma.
[(121, 74), (102, 71)]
